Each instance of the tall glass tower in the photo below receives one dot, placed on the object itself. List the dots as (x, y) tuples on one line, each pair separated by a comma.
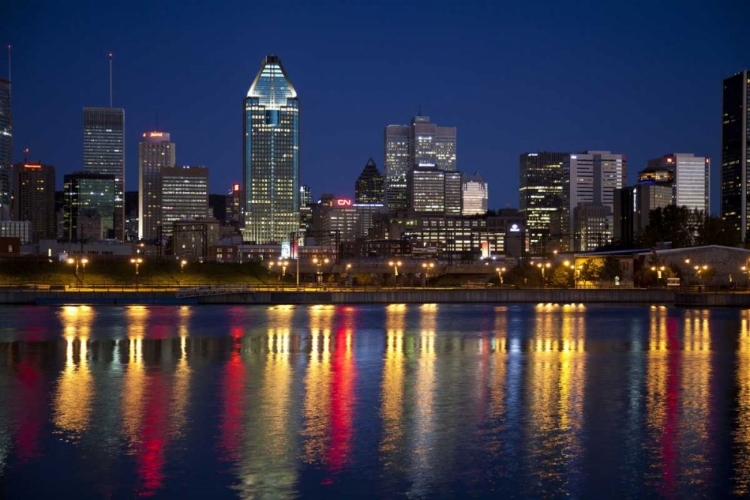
[(155, 152), (271, 156), (6, 149), (735, 152), (104, 153)]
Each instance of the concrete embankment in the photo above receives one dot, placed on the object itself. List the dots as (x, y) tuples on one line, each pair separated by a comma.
[(404, 296)]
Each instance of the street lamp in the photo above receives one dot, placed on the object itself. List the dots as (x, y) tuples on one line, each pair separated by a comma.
[(427, 266), (83, 261), (183, 263), (318, 262), (500, 271), (698, 270), (542, 266), (658, 270), (283, 264), (137, 261), (395, 265)]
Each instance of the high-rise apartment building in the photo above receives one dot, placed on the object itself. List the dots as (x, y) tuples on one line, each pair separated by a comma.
[(735, 152), (155, 152), (691, 184), (541, 190), (104, 154), (34, 198), (6, 149), (590, 177), (184, 195), (370, 186), (474, 195), (88, 206), (271, 155), (421, 144)]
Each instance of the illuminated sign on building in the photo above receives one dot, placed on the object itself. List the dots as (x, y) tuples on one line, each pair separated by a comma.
[(236, 187), (29, 165), (155, 134), (343, 202), (515, 229)]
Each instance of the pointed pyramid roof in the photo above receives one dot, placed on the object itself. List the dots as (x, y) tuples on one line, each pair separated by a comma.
[(271, 85)]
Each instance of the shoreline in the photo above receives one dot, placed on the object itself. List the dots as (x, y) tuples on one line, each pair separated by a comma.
[(385, 296)]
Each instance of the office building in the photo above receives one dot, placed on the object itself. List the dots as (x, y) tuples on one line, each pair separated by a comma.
[(104, 154), (271, 156), (155, 152), (370, 186), (590, 178), (184, 195), (540, 200), (633, 205), (336, 219), (591, 226), (691, 178), (16, 229), (474, 197), (89, 196), (434, 190), (6, 149), (233, 206), (34, 198), (735, 151), (420, 144)]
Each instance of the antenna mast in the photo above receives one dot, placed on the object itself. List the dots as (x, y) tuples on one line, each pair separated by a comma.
[(110, 79)]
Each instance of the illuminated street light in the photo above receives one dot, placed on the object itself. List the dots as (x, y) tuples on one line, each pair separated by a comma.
[(137, 261), (543, 266), (500, 271), (427, 266), (395, 266), (183, 263), (283, 264), (82, 261), (699, 270)]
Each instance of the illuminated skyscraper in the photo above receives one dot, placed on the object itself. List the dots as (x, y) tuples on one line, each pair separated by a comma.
[(271, 156), (6, 149), (88, 198), (34, 198), (590, 178), (540, 189), (155, 152), (474, 198), (370, 185), (735, 152), (104, 154), (691, 178), (184, 195), (421, 144), (434, 190)]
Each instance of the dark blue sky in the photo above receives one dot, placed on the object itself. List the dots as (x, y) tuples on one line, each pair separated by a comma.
[(631, 77)]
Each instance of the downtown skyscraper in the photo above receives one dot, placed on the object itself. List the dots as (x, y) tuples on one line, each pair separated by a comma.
[(270, 176), (420, 144), (540, 195), (104, 154), (735, 155), (6, 148), (155, 152)]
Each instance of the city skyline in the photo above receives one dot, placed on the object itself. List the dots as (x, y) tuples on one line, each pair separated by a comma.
[(494, 132)]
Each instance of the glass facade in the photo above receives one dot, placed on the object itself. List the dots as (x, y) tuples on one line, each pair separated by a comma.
[(271, 156), (735, 151), (370, 186), (6, 149), (104, 153), (689, 174), (88, 196), (155, 152), (540, 190), (475, 195), (184, 195), (590, 177), (421, 144)]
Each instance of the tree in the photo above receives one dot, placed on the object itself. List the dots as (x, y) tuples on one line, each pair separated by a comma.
[(717, 231), (678, 225), (590, 271), (611, 269), (562, 277)]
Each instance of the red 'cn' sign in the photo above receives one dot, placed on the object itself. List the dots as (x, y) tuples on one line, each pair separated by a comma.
[(341, 202)]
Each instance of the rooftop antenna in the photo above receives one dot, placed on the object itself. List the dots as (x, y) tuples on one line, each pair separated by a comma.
[(110, 79)]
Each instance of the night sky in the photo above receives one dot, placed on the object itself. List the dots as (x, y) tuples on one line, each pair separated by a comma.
[(630, 77)]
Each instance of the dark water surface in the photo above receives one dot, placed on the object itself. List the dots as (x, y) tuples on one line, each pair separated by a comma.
[(431, 401)]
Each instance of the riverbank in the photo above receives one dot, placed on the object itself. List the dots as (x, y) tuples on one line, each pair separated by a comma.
[(381, 296)]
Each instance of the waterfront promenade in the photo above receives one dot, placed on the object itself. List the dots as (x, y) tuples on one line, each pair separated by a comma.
[(239, 294)]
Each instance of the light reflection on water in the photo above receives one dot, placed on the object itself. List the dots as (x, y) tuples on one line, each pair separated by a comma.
[(421, 401)]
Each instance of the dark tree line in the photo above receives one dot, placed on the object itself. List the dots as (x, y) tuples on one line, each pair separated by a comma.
[(686, 228)]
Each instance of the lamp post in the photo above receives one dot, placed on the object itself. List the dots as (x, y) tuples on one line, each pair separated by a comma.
[(283, 264), (746, 270), (698, 270), (137, 262), (500, 271), (82, 261), (658, 270), (543, 266), (395, 265), (427, 266), (183, 263), (346, 273)]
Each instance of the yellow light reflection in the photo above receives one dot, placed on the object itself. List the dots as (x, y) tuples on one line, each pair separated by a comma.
[(393, 383), (75, 391), (741, 434), (134, 379), (318, 386), (180, 398)]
